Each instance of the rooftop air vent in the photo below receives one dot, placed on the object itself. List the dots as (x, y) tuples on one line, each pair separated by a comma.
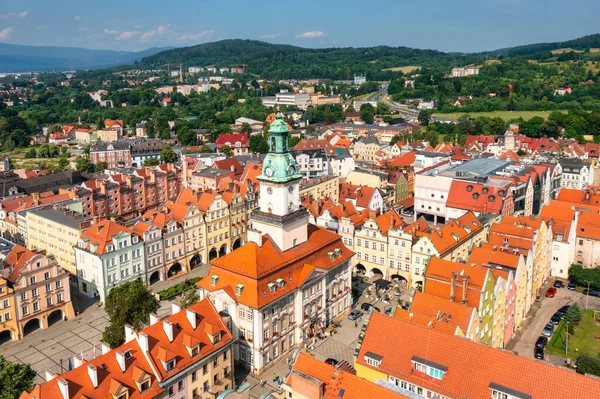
[(469, 188), (485, 190), (475, 195), (491, 198)]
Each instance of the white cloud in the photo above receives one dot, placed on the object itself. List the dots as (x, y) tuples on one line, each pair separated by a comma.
[(195, 36), (155, 32), (127, 35), (5, 34), (77, 17), (111, 32), (311, 35), (270, 36), (12, 15)]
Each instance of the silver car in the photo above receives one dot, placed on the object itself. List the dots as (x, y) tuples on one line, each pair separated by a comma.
[(548, 330)]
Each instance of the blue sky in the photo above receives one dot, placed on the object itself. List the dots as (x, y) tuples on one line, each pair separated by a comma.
[(467, 25)]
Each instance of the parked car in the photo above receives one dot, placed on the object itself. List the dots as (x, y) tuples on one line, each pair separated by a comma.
[(407, 213), (548, 330), (538, 353), (555, 319), (367, 306), (551, 292), (559, 284), (591, 292), (331, 361), (563, 310), (355, 314), (541, 342), (571, 286)]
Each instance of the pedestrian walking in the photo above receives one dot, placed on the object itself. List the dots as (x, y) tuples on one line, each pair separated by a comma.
[(274, 377), (355, 322)]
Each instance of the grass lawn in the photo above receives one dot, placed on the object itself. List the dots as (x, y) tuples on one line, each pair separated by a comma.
[(582, 342), (404, 69), (506, 115)]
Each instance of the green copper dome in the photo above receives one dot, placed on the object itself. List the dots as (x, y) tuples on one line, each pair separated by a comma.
[(279, 165)]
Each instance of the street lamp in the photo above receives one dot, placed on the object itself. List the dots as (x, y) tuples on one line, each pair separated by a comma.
[(587, 296), (567, 344)]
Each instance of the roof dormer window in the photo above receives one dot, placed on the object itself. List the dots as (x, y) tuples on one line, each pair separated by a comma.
[(373, 359), (502, 392), (432, 369), (109, 248), (280, 282), (239, 288), (213, 279), (271, 287)]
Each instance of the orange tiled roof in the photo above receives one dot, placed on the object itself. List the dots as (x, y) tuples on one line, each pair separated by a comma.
[(389, 220), (102, 234), (438, 280), (440, 308), (258, 266), (588, 226), (426, 321), (109, 379), (470, 368), (338, 383), (17, 258), (362, 194), (454, 232), (493, 255), (46, 198), (477, 197)]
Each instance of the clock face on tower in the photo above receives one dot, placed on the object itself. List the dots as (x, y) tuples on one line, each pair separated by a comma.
[(269, 172), (291, 170), (291, 189), (269, 190)]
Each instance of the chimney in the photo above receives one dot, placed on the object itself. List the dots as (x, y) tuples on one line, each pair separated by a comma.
[(48, 376), (154, 318), (93, 374), (143, 341), (105, 348), (77, 361), (121, 360), (168, 327), (63, 385), (175, 308), (452, 282), (465, 284), (191, 316), (129, 333)]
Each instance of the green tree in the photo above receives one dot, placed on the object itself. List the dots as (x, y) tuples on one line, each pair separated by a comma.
[(100, 166), (293, 141), (205, 149), (425, 116), (130, 303), (84, 165), (151, 162), (226, 150), (573, 316), (62, 163), (395, 139), (9, 145), (258, 143), (588, 365), (31, 153), (15, 378), (188, 298), (186, 136), (367, 113), (167, 155), (246, 128)]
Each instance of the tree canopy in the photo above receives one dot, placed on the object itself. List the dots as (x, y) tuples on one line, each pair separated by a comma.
[(129, 303), (15, 378)]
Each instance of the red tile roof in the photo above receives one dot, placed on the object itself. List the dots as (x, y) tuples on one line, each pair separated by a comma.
[(443, 310), (471, 369), (232, 139), (453, 232)]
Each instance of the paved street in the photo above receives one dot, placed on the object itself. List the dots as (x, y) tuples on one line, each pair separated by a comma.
[(524, 342), (50, 348)]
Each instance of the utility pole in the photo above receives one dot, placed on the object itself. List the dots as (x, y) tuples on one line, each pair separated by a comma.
[(587, 296)]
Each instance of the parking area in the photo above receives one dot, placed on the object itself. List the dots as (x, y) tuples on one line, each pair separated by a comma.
[(524, 342)]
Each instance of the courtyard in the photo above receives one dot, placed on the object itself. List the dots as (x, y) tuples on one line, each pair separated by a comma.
[(585, 339)]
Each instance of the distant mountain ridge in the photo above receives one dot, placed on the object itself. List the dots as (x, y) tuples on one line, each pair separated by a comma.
[(266, 59), (23, 58)]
